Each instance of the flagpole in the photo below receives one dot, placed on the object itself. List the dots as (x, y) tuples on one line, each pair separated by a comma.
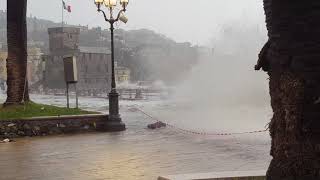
[(62, 9)]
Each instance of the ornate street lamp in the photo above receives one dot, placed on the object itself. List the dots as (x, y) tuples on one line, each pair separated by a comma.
[(114, 123)]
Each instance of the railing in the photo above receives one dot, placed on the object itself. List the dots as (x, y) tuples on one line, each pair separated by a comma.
[(142, 94), (125, 94)]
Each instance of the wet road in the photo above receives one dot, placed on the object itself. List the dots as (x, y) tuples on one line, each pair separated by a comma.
[(137, 153)]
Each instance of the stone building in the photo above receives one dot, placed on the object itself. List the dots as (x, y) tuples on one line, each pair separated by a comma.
[(122, 74), (34, 66), (34, 70), (3, 70), (93, 63)]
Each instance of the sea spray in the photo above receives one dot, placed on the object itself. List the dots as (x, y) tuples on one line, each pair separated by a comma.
[(223, 93)]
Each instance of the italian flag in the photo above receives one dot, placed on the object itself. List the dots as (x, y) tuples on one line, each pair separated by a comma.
[(66, 7)]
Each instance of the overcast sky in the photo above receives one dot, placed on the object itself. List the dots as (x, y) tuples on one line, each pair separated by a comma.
[(195, 21)]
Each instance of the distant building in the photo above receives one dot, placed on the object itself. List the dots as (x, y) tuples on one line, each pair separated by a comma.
[(3, 46), (122, 74), (93, 63), (83, 28), (33, 67), (3, 70)]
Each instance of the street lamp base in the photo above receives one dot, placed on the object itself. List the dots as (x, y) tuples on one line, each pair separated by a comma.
[(114, 122), (114, 125)]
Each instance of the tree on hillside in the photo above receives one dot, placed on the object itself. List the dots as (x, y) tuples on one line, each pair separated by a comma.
[(17, 52), (292, 59)]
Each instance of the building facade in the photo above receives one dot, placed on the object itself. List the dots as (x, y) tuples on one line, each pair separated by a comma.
[(93, 63), (34, 66), (122, 74), (3, 70)]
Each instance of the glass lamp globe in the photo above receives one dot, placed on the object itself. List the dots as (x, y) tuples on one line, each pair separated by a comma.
[(122, 2), (98, 2), (110, 3)]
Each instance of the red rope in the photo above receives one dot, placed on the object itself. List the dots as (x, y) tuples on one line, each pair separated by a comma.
[(196, 132)]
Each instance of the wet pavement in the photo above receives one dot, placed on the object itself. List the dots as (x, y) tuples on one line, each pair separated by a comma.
[(138, 153)]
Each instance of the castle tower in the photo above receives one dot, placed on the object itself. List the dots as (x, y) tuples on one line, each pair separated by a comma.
[(63, 40)]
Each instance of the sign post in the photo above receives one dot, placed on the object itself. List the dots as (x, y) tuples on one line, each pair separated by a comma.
[(70, 76)]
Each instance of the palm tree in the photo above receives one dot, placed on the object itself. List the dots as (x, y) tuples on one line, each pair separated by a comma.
[(292, 59), (17, 52)]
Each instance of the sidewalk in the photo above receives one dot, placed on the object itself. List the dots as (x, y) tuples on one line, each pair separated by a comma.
[(227, 175)]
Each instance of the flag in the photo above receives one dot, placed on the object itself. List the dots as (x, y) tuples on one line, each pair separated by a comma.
[(66, 7)]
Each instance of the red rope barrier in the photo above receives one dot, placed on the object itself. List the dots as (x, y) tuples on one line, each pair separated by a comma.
[(195, 132)]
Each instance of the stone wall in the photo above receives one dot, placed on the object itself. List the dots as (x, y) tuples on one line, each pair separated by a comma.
[(43, 126), (94, 72)]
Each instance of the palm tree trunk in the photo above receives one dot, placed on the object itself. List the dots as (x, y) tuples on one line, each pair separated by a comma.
[(17, 52), (292, 59)]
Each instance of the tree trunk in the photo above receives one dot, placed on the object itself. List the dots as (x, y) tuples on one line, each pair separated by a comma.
[(292, 59), (17, 52)]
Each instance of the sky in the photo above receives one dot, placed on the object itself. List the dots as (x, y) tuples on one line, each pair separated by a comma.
[(194, 21)]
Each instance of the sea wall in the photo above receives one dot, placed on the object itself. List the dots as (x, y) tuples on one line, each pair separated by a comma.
[(43, 126)]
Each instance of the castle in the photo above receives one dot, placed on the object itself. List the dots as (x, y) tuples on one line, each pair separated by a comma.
[(93, 63)]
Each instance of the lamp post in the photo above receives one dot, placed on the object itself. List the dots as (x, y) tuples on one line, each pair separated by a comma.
[(114, 122)]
